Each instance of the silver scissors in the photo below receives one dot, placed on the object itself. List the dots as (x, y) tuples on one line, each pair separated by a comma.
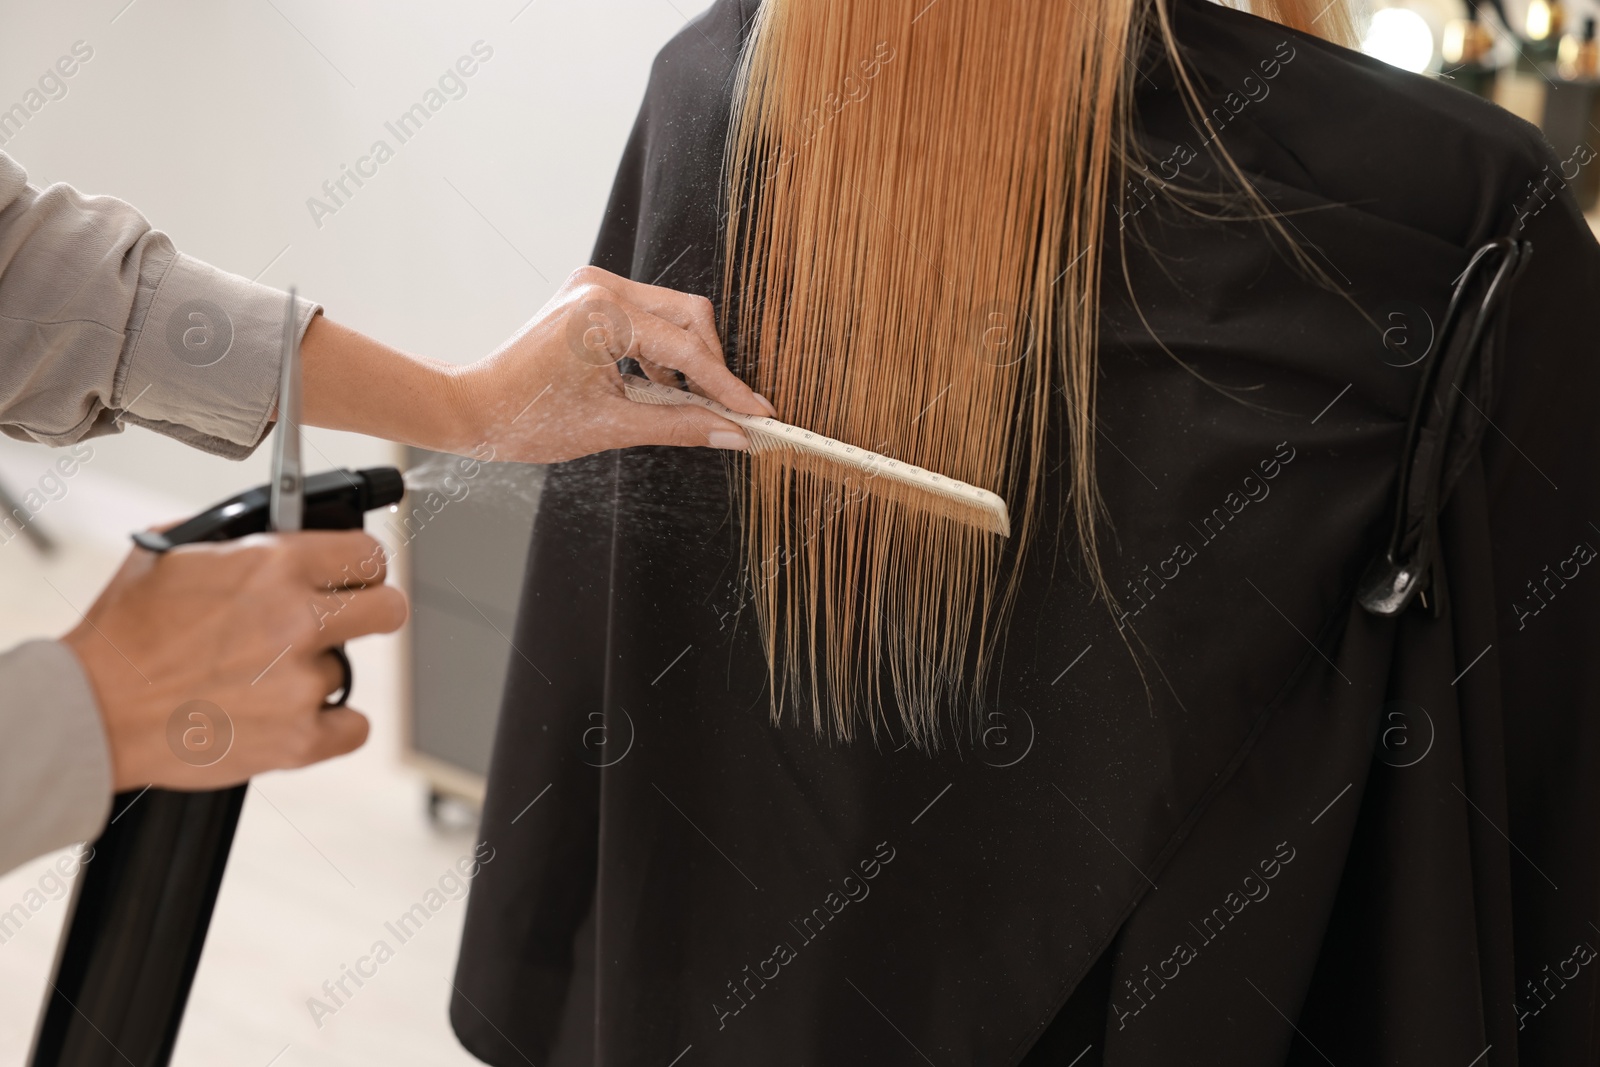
[(288, 504), (286, 509)]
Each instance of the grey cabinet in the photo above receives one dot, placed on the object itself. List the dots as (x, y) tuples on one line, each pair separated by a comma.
[(463, 535)]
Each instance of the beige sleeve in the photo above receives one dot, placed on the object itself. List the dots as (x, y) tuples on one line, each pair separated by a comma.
[(103, 323), (55, 766)]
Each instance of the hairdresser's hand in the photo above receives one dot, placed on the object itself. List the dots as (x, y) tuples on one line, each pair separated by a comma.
[(550, 393), (554, 392), (230, 640)]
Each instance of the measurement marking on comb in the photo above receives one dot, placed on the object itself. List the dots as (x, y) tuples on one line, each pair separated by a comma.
[(767, 432), (1073, 664), (673, 664)]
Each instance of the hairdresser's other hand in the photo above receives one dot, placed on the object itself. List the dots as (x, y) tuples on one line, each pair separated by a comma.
[(553, 392), (211, 664)]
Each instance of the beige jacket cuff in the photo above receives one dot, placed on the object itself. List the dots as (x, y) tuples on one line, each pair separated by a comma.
[(204, 365), (55, 764)]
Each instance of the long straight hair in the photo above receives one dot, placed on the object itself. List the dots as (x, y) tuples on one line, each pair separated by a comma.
[(917, 192)]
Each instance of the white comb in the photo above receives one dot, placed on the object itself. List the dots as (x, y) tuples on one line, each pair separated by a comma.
[(957, 499)]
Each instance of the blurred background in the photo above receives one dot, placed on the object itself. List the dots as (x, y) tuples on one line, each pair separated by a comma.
[(222, 120)]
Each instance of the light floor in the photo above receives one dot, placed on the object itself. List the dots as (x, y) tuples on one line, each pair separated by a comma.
[(323, 858)]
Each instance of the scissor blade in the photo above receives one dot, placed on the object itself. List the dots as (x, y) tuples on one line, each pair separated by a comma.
[(287, 507)]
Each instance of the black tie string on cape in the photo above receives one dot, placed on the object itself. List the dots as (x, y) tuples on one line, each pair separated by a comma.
[(1467, 339)]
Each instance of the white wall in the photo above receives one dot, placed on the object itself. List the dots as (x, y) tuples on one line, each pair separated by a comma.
[(219, 118)]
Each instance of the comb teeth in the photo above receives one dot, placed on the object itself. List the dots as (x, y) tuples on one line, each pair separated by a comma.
[(904, 482)]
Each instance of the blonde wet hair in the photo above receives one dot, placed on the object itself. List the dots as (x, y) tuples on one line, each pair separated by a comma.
[(917, 194)]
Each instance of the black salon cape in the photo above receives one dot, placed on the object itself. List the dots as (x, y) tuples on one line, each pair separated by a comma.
[(1322, 836)]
